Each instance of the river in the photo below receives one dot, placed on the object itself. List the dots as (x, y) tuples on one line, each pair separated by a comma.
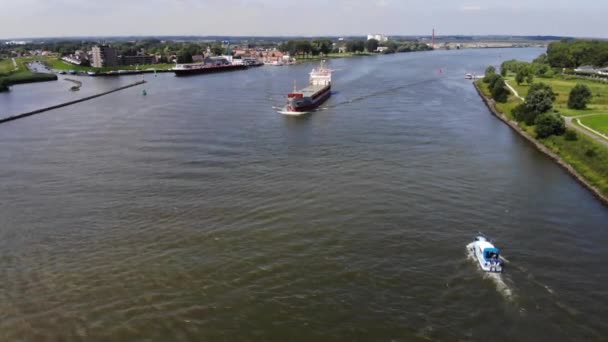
[(199, 213)]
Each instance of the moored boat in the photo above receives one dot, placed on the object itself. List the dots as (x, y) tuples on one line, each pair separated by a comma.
[(318, 91), (195, 69), (487, 255)]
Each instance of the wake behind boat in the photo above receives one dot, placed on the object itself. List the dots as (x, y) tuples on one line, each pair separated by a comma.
[(486, 254), (318, 91)]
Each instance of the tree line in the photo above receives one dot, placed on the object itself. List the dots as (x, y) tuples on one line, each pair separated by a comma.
[(575, 53)]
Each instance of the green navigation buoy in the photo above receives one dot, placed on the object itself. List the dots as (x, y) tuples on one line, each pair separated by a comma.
[(144, 93)]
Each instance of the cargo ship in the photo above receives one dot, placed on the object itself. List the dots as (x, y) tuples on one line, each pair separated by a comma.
[(196, 69), (318, 91)]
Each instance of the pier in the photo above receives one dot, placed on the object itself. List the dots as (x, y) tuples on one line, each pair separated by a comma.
[(65, 104)]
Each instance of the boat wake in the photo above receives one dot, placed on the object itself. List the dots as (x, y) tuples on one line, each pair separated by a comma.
[(497, 278)]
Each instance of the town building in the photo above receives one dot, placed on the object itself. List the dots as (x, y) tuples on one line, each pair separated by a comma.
[(379, 37), (104, 56), (138, 60)]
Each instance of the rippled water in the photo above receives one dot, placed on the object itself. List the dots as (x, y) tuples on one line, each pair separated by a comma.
[(199, 213)]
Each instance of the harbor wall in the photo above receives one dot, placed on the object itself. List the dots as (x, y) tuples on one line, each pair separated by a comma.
[(491, 104), (65, 104)]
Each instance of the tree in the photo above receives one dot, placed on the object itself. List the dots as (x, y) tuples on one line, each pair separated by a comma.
[(500, 93), (355, 46), (490, 71), (184, 57), (579, 97), (490, 80), (372, 45), (540, 86), (217, 50), (520, 77), (549, 124), (530, 78), (503, 72), (539, 102)]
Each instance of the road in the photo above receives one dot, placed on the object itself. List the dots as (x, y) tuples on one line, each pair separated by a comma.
[(15, 64), (600, 138)]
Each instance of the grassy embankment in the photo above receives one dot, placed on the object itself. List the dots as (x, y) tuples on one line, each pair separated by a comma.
[(562, 86), (597, 122), (10, 76), (586, 156), (58, 64)]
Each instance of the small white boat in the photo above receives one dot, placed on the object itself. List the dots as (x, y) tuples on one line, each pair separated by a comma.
[(468, 76), (487, 255)]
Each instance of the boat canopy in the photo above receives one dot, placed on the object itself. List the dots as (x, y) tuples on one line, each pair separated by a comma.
[(490, 252)]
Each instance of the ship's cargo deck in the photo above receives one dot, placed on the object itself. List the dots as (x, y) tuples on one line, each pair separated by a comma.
[(310, 90)]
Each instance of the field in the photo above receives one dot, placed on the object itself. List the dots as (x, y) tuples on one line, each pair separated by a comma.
[(597, 122), (57, 64), (562, 86), (6, 66), (586, 156)]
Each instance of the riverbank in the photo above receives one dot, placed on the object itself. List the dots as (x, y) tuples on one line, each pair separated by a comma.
[(15, 71), (568, 154), (65, 104)]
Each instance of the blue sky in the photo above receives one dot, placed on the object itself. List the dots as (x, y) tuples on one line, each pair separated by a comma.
[(43, 18)]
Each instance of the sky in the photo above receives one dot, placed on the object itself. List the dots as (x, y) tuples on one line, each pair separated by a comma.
[(56, 18)]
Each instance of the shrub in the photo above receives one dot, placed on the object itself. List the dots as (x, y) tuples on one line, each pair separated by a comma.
[(3, 85), (580, 95), (591, 152), (549, 124), (570, 135)]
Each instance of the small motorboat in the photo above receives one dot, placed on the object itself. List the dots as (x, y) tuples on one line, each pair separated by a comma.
[(487, 255)]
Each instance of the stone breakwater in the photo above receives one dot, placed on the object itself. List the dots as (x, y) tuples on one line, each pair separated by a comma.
[(492, 106), (65, 104)]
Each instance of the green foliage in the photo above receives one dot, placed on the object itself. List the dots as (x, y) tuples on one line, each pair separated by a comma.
[(548, 124), (503, 72), (540, 86), (542, 59), (500, 93), (591, 153), (521, 113), (321, 46), (519, 78), (570, 135), (184, 56), (3, 85), (530, 78), (371, 45), (580, 95), (216, 50), (539, 101), (355, 46), (490, 71), (491, 79), (574, 53)]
